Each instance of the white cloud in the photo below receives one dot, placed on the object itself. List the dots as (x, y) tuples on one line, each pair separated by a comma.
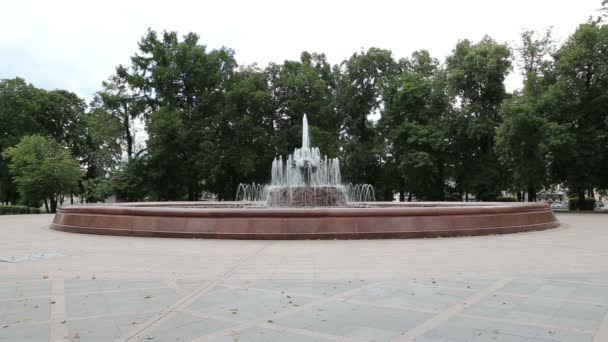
[(77, 44)]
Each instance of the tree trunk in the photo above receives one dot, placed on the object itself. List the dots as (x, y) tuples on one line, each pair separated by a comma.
[(531, 194), (53, 204), (71, 199), (441, 180), (127, 131), (409, 197), (401, 196), (466, 196), (581, 199), (520, 198), (46, 206)]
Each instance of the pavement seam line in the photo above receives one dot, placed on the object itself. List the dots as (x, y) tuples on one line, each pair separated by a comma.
[(186, 300), (452, 311), (58, 328), (290, 311)]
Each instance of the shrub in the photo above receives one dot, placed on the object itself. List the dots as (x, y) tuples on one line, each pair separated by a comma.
[(506, 199), (589, 203), (17, 209)]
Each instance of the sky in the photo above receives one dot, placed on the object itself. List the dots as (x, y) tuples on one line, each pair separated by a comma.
[(75, 45)]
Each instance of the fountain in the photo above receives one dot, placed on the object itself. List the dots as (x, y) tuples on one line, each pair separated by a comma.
[(305, 199), (305, 179)]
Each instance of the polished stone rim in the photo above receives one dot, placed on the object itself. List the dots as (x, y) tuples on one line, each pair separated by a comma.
[(225, 220)]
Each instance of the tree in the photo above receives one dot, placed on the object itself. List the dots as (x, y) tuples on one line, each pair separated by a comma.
[(525, 143), (361, 82), (578, 102), (60, 117), (96, 189), (603, 10), (19, 107), (122, 104), (476, 74), (43, 169), (184, 87), (526, 138), (413, 127), (245, 134), (101, 150), (301, 87), (132, 180)]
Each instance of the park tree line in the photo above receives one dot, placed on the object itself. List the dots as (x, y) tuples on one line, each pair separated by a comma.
[(419, 127)]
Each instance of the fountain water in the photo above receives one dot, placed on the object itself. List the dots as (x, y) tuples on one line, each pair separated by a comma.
[(305, 179)]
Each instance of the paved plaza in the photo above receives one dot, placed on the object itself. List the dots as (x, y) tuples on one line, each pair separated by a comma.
[(542, 286)]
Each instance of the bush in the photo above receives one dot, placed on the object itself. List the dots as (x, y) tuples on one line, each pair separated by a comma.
[(506, 199), (589, 203), (17, 209)]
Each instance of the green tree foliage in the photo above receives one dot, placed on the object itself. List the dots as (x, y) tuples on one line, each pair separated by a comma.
[(579, 104), (189, 85), (120, 105), (360, 86), (91, 136), (526, 139), (60, 117), (245, 129), (131, 182), (19, 107), (96, 189), (413, 127), (476, 74), (43, 169), (303, 87), (526, 143)]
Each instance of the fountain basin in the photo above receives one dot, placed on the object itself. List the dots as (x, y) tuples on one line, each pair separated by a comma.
[(305, 196), (241, 220)]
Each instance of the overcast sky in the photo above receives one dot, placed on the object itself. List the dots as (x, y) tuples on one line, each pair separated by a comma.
[(74, 45)]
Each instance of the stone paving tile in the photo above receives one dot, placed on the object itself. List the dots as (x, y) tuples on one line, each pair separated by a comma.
[(25, 311), (465, 329), (34, 333), (557, 311), (246, 303), (458, 283), (82, 305), (413, 295), (516, 308), (571, 291), (19, 289), (184, 327), (310, 288), (581, 316), (103, 329), (599, 278), (93, 285), (256, 334), (542, 287), (591, 293), (355, 320)]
